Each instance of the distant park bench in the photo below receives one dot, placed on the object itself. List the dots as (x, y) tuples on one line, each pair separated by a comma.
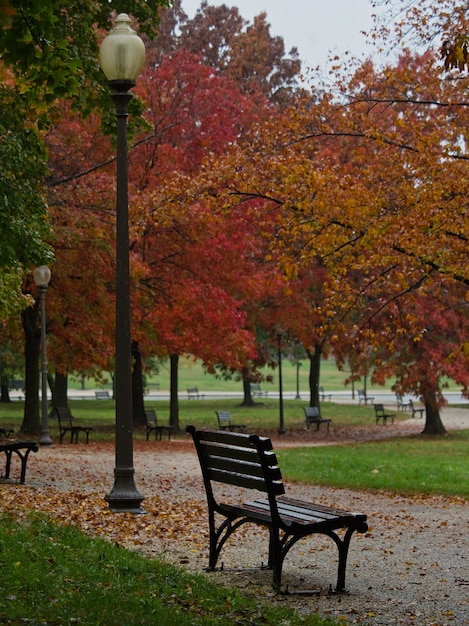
[(102, 395), (6, 432), (363, 397), (414, 410), (225, 421), (67, 425), (313, 417), (256, 391), (402, 405), (323, 395), (248, 462), (151, 420), (193, 394), (20, 448), (381, 414)]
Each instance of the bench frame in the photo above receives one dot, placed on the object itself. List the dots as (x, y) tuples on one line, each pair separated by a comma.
[(414, 410), (256, 391), (380, 414), (225, 423), (22, 449), (151, 420), (64, 415), (313, 416), (363, 397), (248, 461), (323, 395), (193, 394)]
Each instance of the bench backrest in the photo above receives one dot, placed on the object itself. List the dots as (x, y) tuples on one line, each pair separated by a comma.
[(255, 387), (63, 414), (150, 417), (192, 390), (312, 413), (379, 408), (237, 459), (224, 418), (102, 395)]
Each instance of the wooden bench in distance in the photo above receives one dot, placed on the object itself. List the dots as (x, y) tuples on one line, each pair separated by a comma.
[(67, 425), (323, 395), (257, 392), (248, 461), (402, 405), (102, 395), (313, 417), (362, 397), (22, 450), (225, 422), (151, 420), (414, 410), (381, 414), (193, 394)]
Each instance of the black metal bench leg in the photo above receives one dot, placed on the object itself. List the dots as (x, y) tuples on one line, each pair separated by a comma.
[(8, 454)]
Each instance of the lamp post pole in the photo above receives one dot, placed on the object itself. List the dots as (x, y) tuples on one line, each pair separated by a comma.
[(42, 278), (122, 55), (281, 429)]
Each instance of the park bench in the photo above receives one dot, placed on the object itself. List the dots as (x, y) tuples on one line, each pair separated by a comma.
[(313, 416), (22, 450), (402, 405), (362, 397), (151, 420), (257, 392), (17, 385), (323, 395), (381, 414), (248, 462), (67, 425), (102, 395), (414, 410), (193, 394), (225, 422)]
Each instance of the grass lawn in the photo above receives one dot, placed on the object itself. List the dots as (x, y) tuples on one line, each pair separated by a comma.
[(413, 465), (53, 574)]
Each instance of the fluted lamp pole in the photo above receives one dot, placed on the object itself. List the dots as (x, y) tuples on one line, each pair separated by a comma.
[(122, 55), (41, 277)]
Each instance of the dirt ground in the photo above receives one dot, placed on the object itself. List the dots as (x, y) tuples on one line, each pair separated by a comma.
[(411, 567)]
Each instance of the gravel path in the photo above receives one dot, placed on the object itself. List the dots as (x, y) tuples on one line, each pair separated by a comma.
[(412, 567)]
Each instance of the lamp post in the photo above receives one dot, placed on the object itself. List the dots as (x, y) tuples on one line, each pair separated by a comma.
[(122, 55), (281, 429), (41, 277)]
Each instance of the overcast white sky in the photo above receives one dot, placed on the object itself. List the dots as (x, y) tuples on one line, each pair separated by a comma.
[(315, 27)]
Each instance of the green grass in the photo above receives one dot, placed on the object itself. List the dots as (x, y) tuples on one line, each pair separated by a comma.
[(100, 414), (53, 574), (413, 465)]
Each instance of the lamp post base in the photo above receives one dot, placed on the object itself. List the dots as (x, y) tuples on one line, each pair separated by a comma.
[(124, 497), (44, 439)]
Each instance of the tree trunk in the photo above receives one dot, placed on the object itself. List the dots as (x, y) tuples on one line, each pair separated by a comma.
[(138, 407), (314, 375), (59, 389), (247, 395), (433, 423), (30, 319), (173, 391), (4, 391)]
